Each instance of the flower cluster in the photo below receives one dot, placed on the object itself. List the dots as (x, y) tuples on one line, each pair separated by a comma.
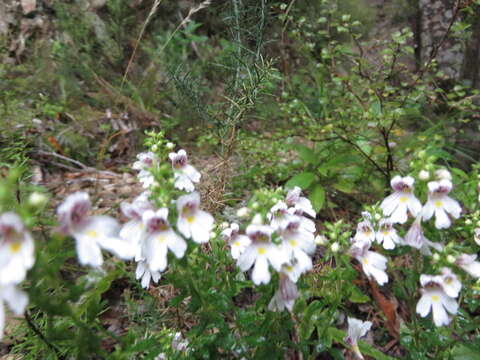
[(373, 263), (16, 258), (149, 234), (440, 291), (438, 295), (285, 244)]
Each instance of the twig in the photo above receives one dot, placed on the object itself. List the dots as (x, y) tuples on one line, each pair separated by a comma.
[(37, 332), (149, 17), (363, 153), (82, 167), (76, 162)]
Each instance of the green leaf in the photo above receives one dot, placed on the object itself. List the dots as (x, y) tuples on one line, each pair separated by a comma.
[(310, 317), (306, 154), (302, 180), (317, 197), (344, 185), (462, 352), (356, 296)]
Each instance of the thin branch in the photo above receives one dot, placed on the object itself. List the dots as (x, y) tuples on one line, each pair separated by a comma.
[(82, 166), (37, 332), (149, 17), (363, 153)]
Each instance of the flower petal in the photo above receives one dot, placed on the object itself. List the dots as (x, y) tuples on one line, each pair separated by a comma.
[(16, 299), (424, 305), (261, 274)]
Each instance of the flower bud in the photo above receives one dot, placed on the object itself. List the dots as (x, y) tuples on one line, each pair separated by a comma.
[(320, 240), (436, 257), (224, 225), (257, 219), (37, 199), (170, 145), (243, 212), (255, 205), (468, 222), (443, 174), (451, 259), (335, 247), (378, 217), (154, 147), (424, 175)]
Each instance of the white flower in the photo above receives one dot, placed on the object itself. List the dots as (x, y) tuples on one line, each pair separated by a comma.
[(402, 201), (365, 232), (144, 273), (387, 235), (467, 263), (297, 242), (278, 215), (160, 238), (16, 249), (145, 162), (294, 198), (179, 343), (91, 232), (193, 222), (439, 203), (185, 174), (285, 296), (451, 285), (434, 298), (416, 239), (238, 243), (305, 223), (373, 264), (16, 299), (293, 270), (134, 230), (356, 329), (260, 253)]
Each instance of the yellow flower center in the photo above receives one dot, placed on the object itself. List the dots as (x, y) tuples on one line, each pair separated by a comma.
[(435, 298), (448, 280), (92, 233), (261, 250), (403, 199), (236, 243), (293, 242), (289, 268), (190, 219), (438, 204), (365, 261), (385, 232), (161, 238), (15, 246)]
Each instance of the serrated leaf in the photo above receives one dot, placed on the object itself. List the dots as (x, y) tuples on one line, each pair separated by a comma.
[(302, 180), (317, 197)]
